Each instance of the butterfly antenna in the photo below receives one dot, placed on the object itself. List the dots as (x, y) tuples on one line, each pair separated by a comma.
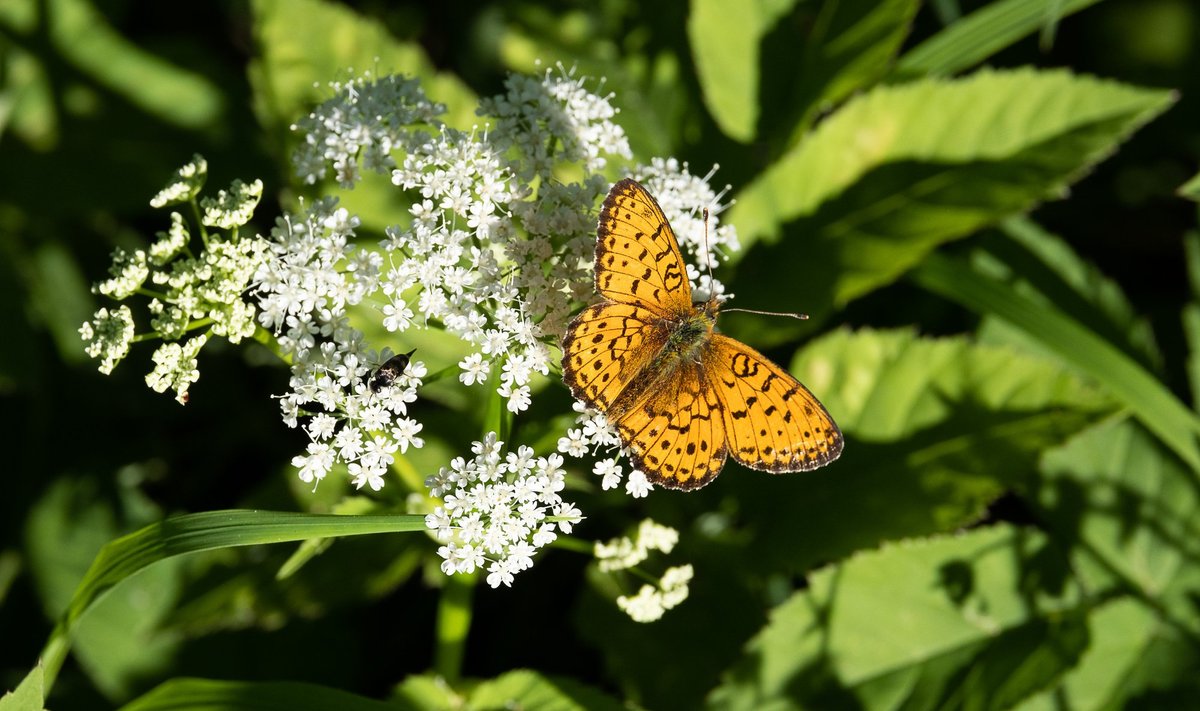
[(707, 254), (789, 314), (709, 261)]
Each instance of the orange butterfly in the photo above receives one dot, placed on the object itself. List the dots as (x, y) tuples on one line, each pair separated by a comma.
[(682, 396)]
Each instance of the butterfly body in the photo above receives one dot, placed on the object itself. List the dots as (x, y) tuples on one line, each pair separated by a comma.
[(682, 396)]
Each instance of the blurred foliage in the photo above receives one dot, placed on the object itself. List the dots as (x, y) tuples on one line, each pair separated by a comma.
[(976, 201)]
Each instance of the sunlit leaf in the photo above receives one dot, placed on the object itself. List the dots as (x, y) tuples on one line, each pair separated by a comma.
[(530, 690), (902, 169), (972, 39), (936, 429), (948, 622), (220, 695), (1085, 351)]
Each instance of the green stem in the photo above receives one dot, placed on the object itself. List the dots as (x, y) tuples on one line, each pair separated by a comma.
[(453, 624), (199, 221)]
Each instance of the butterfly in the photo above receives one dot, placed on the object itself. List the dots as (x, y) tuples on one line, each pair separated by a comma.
[(682, 396), (388, 373)]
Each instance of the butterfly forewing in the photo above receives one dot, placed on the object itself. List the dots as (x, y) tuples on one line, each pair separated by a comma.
[(606, 346), (637, 255), (773, 422)]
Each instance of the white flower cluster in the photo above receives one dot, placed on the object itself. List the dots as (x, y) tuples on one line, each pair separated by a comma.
[(552, 120), (108, 336), (651, 601), (187, 292), (483, 257), (499, 510), (314, 274), (625, 552), (366, 121)]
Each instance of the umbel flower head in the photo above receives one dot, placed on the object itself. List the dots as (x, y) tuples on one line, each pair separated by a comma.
[(494, 248), (188, 291)]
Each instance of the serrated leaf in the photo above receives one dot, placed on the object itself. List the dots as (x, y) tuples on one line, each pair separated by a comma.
[(972, 39), (903, 169), (936, 429), (217, 695), (531, 691), (946, 622), (1124, 511), (28, 695)]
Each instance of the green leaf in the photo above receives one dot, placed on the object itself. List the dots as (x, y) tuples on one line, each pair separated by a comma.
[(846, 46), (425, 692), (851, 46), (903, 169), (1124, 511), (724, 39), (28, 695), (1148, 399), (531, 691), (119, 643), (948, 622), (1133, 656), (936, 429), (214, 695), (84, 39), (190, 533), (1044, 268), (1130, 510), (972, 39), (1190, 189)]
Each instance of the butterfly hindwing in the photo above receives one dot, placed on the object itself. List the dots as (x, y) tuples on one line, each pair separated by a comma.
[(676, 433), (772, 421), (637, 255)]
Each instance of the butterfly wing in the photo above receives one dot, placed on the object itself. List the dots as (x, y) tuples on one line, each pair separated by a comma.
[(676, 433), (605, 348), (772, 421), (637, 254)]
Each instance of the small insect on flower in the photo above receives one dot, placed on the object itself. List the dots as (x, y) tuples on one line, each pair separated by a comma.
[(389, 372)]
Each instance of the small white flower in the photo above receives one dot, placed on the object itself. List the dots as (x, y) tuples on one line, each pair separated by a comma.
[(234, 207), (610, 473), (475, 369), (108, 336), (186, 184), (646, 606), (500, 507)]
